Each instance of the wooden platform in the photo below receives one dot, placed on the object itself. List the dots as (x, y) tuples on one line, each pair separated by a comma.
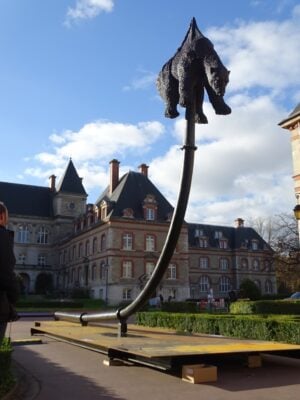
[(157, 347)]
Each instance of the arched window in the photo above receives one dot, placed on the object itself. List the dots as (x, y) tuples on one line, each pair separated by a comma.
[(244, 263), (204, 284), (42, 235), (87, 248), (268, 287), (103, 242), (94, 272), (224, 284), (255, 265), (80, 250), (257, 283), (95, 241)]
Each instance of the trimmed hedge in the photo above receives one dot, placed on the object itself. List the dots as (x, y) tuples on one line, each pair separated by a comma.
[(178, 306), (6, 377), (283, 329), (49, 304), (265, 307)]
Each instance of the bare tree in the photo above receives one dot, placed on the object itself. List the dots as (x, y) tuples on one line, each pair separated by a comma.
[(281, 233)]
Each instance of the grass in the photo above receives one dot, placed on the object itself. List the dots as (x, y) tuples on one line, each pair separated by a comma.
[(7, 380)]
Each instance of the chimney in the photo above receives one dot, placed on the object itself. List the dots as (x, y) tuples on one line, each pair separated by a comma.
[(144, 169), (239, 223), (52, 183), (114, 174)]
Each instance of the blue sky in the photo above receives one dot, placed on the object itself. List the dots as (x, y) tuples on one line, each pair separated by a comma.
[(77, 79)]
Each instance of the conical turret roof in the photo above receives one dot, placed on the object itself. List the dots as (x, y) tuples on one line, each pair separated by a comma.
[(70, 182)]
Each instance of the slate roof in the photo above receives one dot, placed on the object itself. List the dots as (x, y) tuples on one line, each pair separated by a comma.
[(293, 114), (70, 181), (26, 199), (130, 192), (237, 237)]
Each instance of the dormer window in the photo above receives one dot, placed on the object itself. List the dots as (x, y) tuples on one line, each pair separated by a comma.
[(203, 242), (128, 213), (149, 214), (218, 234), (198, 233), (103, 210), (223, 243), (150, 208), (254, 245)]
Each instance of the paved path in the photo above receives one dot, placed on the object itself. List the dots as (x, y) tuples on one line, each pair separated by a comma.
[(58, 371)]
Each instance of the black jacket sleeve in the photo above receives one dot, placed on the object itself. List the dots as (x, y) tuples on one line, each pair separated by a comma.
[(8, 280)]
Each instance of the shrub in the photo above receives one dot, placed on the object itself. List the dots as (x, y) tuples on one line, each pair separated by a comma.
[(6, 377), (176, 306), (49, 304), (279, 328), (265, 307), (250, 289), (44, 283)]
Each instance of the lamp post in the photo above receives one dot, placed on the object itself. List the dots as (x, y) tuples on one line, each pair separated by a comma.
[(106, 266), (297, 216)]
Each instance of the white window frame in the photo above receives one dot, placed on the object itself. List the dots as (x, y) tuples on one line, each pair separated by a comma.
[(224, 284), (127, 269), (23, 234), (149, 268), (172, 271), (127, 294), (203, 262), (150, 242), (204, 284)]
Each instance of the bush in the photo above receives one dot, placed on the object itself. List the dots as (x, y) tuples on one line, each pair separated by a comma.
[(279, 328), (80, 293), (44, 283), (6, 377), (49, 304), (250, 289), (176, 306), (265, 307)]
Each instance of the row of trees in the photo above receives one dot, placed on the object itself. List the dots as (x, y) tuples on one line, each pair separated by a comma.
[(281, 233)]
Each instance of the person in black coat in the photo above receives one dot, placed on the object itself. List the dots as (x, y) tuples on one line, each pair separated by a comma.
[(8, 282)]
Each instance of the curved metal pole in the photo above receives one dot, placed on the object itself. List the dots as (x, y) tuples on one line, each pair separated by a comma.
[(176, 222)]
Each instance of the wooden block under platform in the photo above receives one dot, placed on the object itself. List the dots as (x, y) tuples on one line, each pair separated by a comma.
[(111, 362), (254, 361), (199, 373), (22, 342)]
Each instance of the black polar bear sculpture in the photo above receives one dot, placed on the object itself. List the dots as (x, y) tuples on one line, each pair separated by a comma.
[(195, 66)]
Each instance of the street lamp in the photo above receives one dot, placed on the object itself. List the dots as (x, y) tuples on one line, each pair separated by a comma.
[(297, 216), (106, 266)]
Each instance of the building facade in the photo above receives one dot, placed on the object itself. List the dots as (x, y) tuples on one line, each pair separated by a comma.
[(110, 248)]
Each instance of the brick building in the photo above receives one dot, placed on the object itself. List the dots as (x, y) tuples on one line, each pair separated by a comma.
[(110, 248)]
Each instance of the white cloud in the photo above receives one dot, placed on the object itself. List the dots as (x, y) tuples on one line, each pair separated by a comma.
[(143, 81), (243, 162), (260, 54), (87, 9), (92, 147), (242, 165)]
